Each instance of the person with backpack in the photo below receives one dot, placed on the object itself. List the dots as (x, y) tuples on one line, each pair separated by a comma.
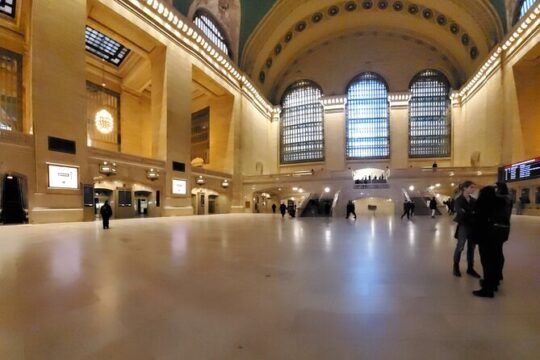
[(106, 213)]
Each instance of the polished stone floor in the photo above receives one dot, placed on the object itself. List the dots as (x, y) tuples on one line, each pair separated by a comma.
[(259, 287)]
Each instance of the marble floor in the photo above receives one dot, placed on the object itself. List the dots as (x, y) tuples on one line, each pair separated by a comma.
[(259, 287)]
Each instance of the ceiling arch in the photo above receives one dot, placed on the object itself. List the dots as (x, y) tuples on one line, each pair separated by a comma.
[(461, 32)]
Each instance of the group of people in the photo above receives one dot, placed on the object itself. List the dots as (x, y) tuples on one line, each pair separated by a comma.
[(371, 180), (408, 209), (450, 204), (283, 210), (484, 222)]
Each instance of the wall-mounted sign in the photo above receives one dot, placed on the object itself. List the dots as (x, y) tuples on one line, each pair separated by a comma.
[(63, 177), (522, 171), (179, 187)]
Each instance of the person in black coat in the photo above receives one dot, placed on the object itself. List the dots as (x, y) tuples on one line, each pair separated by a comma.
[(433, 206), (350, 210), (106, 213), (464, 206), (484, 235), (274, 208), (406, 209), (282, 209)]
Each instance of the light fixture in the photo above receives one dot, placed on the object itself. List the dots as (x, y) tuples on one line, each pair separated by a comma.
[(431, 187), (104, 122), (303, 173), (452, 184), (411, 188), (152, 174), (295, 188), (107, 168), (300, 190), (225, 184), (200, 180), (326, 189), (9, 177), (437, 185)]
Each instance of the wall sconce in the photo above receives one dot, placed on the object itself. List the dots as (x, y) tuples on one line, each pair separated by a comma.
[(152, 174), (107, 168), (200, 180), (225, 184)]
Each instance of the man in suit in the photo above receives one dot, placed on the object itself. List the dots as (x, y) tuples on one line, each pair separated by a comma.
[(464, 208)]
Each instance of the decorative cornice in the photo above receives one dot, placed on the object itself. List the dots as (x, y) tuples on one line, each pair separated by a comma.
[(176, 26)]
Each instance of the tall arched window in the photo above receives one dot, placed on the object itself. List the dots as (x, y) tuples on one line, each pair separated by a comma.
[(10, 91), (212, 30), (368, 135), (302, 135), (523, 8), (429, 115)]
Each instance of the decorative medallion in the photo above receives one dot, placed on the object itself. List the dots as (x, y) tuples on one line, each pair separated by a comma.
[(427, 13), (454, 28), (474, 52), (301, 26), (441, 20), (269, 63), (413, 9), (382, 4), (350, 6), (465, 39), (288, 37), (398, 6), (367, 5), (317, 17), (333, 10), (277, 49)]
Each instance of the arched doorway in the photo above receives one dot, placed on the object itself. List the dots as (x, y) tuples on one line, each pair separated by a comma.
[(13, 200)]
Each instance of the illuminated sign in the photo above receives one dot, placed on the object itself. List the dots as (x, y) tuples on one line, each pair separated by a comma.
[(63, 177), (524, 170), (179, 187)]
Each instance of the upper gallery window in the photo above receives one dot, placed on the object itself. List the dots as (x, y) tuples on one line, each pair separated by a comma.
[(302, 135), (429, 115), (8, 7), (104, 47), (200, 135), (10, 90), (212, 30), (368, 134), (524, 7)]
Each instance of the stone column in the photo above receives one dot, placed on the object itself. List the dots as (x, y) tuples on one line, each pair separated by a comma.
[(334, 132)]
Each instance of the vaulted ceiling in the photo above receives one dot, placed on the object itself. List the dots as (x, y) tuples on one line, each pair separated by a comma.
[(331, 41)]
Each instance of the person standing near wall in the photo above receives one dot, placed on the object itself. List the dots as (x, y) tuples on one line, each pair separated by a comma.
[(464, 207), (274, 208), (106, 213)]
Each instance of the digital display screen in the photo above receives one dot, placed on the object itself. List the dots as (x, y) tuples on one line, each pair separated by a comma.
[(179, 187), (63, 177), (524, 170)]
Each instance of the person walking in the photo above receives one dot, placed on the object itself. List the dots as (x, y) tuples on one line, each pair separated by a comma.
[(106, 213), (433, 206), (282, 209), (464, 207), (406, 209), (350, 210), (274, 208)]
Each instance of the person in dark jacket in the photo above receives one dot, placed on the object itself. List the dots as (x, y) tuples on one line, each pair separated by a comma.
[(274, 208), (106, 213), (406, 209), (464, 207), (350, 210), (502, 223), (484, 235), (433, 206), (282, 209)]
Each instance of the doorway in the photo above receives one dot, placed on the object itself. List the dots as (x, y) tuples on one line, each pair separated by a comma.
[(13, 200), (101, 195), (142, 200)]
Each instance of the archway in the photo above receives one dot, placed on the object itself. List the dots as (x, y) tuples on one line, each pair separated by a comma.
[(13, 200)]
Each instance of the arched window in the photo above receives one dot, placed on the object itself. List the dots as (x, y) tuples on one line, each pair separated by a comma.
[(368, 135), (10, 91), (212, 30), (523, 8), (302, 135), (429, 115)]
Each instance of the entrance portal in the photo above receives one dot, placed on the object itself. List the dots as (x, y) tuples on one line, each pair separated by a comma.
[(13, 200)]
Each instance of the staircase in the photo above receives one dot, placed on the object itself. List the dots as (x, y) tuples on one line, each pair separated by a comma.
[(421, 208), (317, 207)]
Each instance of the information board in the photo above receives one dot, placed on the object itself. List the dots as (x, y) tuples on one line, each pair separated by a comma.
[(524, 170), (63, 177), (179, 187)]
